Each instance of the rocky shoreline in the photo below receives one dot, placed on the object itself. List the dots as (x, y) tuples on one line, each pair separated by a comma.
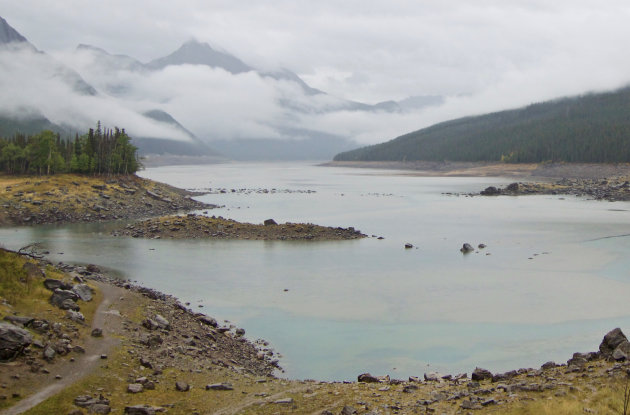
[(193, 226), (611, 189), (72, 198)]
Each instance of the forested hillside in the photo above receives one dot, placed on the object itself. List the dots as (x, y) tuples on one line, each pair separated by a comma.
[(102, 152), (588, 128)]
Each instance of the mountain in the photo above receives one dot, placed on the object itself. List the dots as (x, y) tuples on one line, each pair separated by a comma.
[(161, 146), (197, 53), (589, 128), (112, 62), (9, 34)]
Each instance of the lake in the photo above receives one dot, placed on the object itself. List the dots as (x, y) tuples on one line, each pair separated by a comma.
[(552, 280)]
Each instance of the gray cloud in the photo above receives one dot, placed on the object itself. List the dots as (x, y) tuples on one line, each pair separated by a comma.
[(485, 55)]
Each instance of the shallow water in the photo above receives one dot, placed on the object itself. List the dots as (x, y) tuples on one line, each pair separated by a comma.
[(550, 282)]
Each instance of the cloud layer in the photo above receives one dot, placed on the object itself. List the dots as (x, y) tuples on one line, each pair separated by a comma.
[(485, 56)]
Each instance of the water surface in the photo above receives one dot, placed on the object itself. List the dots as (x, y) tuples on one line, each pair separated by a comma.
[(550, 282)]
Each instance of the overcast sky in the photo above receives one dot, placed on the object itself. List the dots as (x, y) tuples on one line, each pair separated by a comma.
[(485, 54)]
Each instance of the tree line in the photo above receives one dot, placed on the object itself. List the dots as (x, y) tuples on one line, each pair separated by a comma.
[(98, 152), (593, 128)]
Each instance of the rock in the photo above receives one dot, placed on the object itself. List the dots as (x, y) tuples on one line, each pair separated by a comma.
[(367, 378), (481, 246), (151, 340), (182, 386), (48, 353), (512, 187), (408, 245), (60, 299), (40, 326), (490, 191), (500, 377), (548, 365), (432, 377), (468, 404), (410, 388), (135, 388), (162, 322), (53, 284), (99, 409), (240, 332), (348, 410), (18, 320), (150, 324), (75, 412), (467, 248), (220, 387), (13, 341), (481, 374), (284, 401), (75, 316), (611, 340), (83, 291), (97, 332), (142, 410), (86, 401), (270, 222), (93, 268), (622, 351), (146, 363), (208, 320)]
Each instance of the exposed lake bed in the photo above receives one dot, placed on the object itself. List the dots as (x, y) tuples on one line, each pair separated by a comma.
[(550, 286)]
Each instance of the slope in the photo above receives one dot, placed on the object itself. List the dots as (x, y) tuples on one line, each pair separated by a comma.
[(588, 128)]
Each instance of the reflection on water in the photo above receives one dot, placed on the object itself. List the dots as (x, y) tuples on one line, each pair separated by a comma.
[(547, 284)]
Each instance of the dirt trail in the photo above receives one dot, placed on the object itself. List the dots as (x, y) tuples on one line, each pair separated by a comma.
[(94, 347)]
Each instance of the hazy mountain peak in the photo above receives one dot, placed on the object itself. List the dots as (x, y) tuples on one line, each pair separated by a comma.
[(8, 34), (194, 52)]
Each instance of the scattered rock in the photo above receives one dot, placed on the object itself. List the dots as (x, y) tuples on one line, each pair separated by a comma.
[(83, 291), (64, 299), (467, 248), (182, 386), (220, 387), (97, 332), (622, 351), (13, 341), (490, 191), (348, 410), (367, 378), (135, 388), (75, 316), (480, 374), (611, 340)]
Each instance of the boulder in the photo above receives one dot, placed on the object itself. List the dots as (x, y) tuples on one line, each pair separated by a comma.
[(97, 332), (142, 410), (220, 387), (13, 340), (512, 187), (466, 248), (348, 410), (18, 320), (150, 324), (135, 388), (367, 378), (84, 292), (408, 245), (162, 322), (99, 408), (182, 386), (270, 222), (432, 377), (481, 374), (491, 191), (49, 353), (53, 284), (622, 351), (208, 320), (611, 340), (59, 297), (75, 316)]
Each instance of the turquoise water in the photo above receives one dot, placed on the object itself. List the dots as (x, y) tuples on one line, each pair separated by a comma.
[(550, 285)]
